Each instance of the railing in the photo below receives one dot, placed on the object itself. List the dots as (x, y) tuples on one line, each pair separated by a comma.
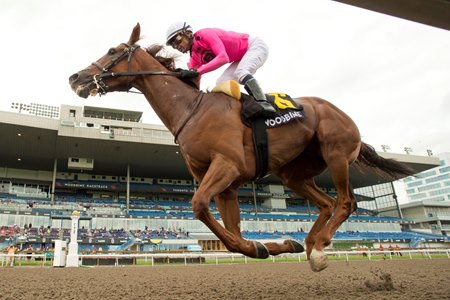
[(219, 257), (21, 258)]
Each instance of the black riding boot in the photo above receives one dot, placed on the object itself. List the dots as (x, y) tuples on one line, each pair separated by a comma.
[(253, 88)]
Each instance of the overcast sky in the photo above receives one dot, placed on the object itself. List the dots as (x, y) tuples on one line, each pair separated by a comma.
[(392, 76)]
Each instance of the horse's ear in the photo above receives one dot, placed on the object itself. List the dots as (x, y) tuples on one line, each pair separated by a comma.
[(135, 35)]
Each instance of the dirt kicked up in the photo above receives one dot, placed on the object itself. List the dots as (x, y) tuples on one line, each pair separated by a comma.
[(406, 279)]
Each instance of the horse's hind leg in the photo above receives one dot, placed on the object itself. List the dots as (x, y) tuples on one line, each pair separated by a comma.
[(298, 176), (345, 205), (324, 203)]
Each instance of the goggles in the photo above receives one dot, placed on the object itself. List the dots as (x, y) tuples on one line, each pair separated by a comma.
[(176, 40)]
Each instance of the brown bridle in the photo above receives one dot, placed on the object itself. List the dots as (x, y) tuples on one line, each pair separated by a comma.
[(128, 52)]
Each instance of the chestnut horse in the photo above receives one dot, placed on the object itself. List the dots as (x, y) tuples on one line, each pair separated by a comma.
[(218, 148)]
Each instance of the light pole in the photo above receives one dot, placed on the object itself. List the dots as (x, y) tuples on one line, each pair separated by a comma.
[(20, 106), (385, 147)]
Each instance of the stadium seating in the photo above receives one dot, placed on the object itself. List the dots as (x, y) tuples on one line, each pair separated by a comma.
[(116, 238)]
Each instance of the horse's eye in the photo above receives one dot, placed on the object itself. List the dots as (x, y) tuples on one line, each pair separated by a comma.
[(112, 51)]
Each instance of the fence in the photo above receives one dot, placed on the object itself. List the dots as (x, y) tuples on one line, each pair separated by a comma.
[(217, 257), (20, 259), (221, 257)]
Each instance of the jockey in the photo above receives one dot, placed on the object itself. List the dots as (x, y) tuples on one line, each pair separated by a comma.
[(211, 48)]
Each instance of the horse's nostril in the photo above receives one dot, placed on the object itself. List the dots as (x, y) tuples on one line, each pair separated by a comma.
[(73, 77)]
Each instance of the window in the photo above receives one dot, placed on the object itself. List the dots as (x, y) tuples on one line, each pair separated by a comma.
[(444, 170), (416, 183), (438, 178), (429, 187)]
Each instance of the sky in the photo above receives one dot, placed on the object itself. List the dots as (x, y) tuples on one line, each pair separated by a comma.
[(392, 76)]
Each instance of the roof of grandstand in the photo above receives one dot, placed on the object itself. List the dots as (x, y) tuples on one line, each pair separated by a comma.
[(431, 12), (32, 142)]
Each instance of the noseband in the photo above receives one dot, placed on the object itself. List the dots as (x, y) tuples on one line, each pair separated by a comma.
[(127, 52)]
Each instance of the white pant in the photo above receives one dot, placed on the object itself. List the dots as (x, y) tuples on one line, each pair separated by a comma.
[(252, 60)]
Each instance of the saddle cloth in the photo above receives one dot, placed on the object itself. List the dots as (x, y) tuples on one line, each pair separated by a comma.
[(287, 110)]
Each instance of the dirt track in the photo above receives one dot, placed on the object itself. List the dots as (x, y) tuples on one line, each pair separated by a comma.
[(408, 279)]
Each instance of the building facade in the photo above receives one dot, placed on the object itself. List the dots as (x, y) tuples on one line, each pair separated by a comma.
[(431, 185), (429, 200)]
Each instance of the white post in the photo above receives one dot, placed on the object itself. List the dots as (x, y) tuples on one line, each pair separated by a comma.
[(55, 167), (128, 188), (59, 255), (72, 257)]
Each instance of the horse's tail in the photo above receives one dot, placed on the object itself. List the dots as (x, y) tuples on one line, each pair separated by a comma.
[(395, 169)]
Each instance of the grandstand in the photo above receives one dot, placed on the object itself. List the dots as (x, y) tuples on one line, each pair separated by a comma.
[(132, 188)]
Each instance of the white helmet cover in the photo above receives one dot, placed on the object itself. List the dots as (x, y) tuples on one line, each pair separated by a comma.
[(176, 28)]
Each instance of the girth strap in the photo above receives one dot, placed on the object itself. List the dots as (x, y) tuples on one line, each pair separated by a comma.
[(261, 147), (189, 116)]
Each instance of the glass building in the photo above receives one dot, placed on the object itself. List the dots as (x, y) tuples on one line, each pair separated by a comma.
[(431, 185), (380, 197)]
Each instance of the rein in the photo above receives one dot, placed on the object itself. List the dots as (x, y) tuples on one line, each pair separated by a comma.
[(128, 51)]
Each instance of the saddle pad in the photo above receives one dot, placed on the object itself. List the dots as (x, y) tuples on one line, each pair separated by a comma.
[(287, 110)]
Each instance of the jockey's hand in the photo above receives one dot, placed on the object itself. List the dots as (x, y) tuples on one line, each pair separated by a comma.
[(192, 73)]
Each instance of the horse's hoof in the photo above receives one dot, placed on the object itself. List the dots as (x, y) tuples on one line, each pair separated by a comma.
[(298, 248), (261, 250), (318, 260)]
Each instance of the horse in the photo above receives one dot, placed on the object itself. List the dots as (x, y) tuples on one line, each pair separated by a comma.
[(218, 148)]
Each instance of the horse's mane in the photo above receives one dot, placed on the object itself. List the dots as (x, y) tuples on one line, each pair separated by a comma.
[(169, 62), (166, 61)]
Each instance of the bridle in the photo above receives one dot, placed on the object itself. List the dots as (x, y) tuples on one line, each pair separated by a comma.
[(128, 52)]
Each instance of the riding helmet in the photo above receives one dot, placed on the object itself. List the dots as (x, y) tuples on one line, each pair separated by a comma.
[(175, 29)]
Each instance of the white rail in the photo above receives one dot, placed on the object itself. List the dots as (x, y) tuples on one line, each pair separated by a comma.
[(218, 256), (19, 258)]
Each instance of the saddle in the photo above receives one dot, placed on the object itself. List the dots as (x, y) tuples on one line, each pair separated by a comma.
[(287, 111)]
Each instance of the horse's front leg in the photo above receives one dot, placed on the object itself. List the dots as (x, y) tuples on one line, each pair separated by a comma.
[(228, 205), (220, 175)]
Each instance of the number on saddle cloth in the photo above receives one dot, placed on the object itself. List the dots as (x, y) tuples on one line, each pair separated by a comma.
[(287, 110)]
